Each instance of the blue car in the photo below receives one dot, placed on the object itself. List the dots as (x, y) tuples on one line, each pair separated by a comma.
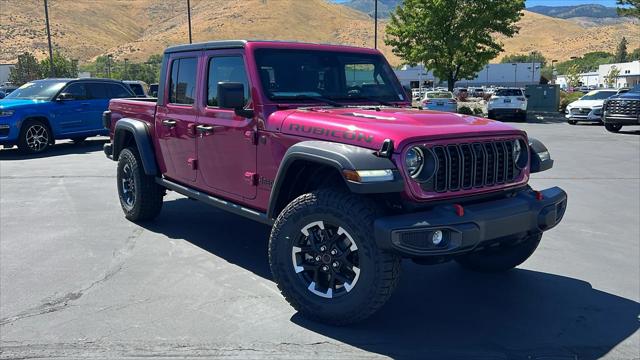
[(42, 111), (440, 101)]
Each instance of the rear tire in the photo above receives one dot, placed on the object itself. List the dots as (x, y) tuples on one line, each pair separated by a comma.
[(35, 137), (364, 277), (614, 128), (572, 122), (140, 195), (502, 258)]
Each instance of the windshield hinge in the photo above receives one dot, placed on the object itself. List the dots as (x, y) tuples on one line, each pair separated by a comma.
[(386, 150)]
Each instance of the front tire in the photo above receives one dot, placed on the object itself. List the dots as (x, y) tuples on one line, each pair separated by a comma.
[(35, 137), (500, 258), (614, 128), (325, 261), (140, 195)]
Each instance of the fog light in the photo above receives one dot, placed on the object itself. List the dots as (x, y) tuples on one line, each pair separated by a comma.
[(437, 237)]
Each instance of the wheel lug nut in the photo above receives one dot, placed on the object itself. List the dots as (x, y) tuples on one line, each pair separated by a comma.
[(325, 268), (323, 248), (317, 258), (336, 264), (334, 252)]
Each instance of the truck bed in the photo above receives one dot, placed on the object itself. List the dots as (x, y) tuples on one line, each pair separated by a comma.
[(135, 108)]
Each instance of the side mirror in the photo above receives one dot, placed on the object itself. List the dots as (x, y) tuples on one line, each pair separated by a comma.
[(231, 96), (65, 97), (540, 157)]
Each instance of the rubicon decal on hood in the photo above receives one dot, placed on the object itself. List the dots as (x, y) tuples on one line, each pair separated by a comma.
[(340, 134)]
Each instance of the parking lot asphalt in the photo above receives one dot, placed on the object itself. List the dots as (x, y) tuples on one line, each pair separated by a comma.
[(77, 280)]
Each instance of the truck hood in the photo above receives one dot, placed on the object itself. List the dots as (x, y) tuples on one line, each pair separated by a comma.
[(19, 103), (369, 127)]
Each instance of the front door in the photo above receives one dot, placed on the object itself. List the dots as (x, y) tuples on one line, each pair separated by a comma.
[(226, 142), (71, 115), (176, 119)]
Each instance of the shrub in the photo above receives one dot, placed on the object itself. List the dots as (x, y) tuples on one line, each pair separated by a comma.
[(567, 98), (478, 111), (465, 110)]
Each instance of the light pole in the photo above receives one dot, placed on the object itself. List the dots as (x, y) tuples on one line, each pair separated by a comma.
[(515, 75), (52, 72), (553, 72), (487, 82), (109, 57), (126, 71), (375, 24), (189, 18)]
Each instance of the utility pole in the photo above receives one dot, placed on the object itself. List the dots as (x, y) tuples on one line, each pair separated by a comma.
[(375, 24), (553, 72), (52, 72), (109, 57), (189, 18), (515, 75), (126, 72)]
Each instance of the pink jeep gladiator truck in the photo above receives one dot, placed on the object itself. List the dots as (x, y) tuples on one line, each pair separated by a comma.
[(320, 142)]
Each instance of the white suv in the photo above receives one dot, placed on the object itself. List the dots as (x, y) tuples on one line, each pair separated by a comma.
[(589, 107), (509, 102)]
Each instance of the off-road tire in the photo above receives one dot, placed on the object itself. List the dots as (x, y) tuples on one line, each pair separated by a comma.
[(572, 122), (379, 271), (614, 128), (26, 130), (147, 194), (501, 258)]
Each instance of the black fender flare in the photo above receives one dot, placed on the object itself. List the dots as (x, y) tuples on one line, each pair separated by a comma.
[(341, 157), (140, 132), (540, 156)]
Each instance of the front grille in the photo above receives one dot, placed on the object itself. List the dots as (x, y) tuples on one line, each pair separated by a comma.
[(4, 130), (580, 111), (623, 107), (473, 165)]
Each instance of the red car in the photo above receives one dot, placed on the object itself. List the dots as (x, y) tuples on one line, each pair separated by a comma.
[(320, 142)]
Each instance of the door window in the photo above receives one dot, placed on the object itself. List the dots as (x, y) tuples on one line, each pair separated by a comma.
[(182, 87), (118, 91), (77, 90), (225, 69), (97, 91)]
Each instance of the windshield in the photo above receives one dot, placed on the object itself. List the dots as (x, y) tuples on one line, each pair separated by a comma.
[(509, 92), (598, 95), (635, 89), (37, 90), (439, 95), (300, 75)]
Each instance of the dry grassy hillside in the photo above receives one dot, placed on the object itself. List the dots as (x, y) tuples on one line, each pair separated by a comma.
[(562, 38), (135, 29)]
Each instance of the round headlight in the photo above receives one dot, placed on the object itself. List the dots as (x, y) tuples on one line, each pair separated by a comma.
[(520, 154), (414, 159)]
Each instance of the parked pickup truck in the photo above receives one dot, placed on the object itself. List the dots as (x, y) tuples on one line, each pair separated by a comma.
[(41, 111), (622, 109), (320, 142)]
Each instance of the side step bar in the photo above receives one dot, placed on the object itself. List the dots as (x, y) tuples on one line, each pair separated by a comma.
[(214, 201)]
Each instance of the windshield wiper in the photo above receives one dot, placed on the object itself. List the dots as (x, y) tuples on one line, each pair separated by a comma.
[(380, 102), (308, 97)]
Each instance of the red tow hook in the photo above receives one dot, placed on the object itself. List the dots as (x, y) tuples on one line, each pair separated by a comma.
[(539, 195), (459, 209)]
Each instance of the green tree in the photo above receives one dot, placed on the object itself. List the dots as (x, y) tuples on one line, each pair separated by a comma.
[(573, 76), (26, 69), (454, 38), (629, 8), (62, 67), (534, 56), (634, 55), (621, 52), (612, 76)]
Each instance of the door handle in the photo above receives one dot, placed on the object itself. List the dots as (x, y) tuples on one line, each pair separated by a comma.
[(204, 129), (168, 123)]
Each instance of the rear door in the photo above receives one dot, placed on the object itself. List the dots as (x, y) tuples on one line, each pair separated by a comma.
[(226, 142), (176, 119)]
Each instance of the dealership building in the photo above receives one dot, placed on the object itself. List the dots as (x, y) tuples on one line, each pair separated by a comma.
[(629, 76), (509, 74)]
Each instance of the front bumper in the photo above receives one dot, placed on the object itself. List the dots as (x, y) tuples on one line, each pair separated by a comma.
[(506, 219), (620, 119), (592, 116)]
